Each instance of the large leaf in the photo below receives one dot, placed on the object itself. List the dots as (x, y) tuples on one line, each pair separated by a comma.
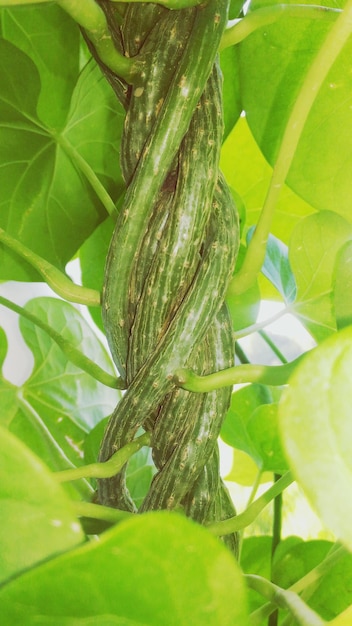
[(316, 429), (273, 64), (153, 570), (314, 245), (36, 517), (52, 180), (59, 404)]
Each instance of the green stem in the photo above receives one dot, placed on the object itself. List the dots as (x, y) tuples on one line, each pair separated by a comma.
[(108, 468), (275, 375), (97, 511), (240, 29), (89, 173), (59, 282), (233, 524), (317, 73), (285, 599), (90, 16), (241, 355), (70, 351), (277, 522)]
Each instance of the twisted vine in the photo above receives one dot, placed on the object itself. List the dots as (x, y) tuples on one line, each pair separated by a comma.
[(171, 257)]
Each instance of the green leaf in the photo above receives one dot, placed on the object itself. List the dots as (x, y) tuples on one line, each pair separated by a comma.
[(342, 286), (313, 248), (273, 64), (55, 185), (316, 429), (36, 518), (262, 428), (252, 181), (58, 404), (158, 569), (243, 404), (51, 39)]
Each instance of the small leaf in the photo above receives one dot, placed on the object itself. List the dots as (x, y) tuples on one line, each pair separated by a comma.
[(36, 518), (316, 429), (244, 471), (155, 569)]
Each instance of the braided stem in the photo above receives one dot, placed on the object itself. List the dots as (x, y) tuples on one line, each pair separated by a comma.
[(171, 259)]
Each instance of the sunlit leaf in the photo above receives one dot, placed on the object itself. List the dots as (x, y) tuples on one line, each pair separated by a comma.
[(273, 63), (244, 471), (247, 171), (157, 569), (36, 517), (316, 429)]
